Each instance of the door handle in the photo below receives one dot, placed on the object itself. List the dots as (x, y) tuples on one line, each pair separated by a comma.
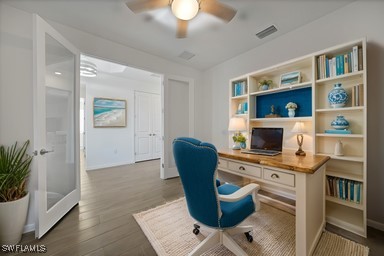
[(44, 151)]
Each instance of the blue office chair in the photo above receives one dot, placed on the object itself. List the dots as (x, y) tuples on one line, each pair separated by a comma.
[(219, 207)]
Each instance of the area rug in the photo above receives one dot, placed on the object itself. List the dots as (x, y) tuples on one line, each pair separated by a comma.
[(169, 229)]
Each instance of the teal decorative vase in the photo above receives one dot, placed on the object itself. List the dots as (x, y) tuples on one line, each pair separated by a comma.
[(337, 97), (243, 145)]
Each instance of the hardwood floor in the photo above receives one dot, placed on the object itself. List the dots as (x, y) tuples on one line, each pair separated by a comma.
[(102, 223)]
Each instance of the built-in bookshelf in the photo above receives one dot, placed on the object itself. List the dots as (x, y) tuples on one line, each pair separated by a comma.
[(319, 72)]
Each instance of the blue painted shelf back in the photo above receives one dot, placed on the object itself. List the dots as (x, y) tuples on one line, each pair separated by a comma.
[(302, 97)]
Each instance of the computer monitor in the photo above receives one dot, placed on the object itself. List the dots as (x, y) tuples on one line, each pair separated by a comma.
[(267, 138)]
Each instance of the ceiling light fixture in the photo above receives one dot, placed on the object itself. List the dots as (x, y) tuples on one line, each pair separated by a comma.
[(185, 9), (87, 69), (58, 73)]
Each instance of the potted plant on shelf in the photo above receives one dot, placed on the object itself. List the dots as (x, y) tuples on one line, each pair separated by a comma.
[(291, 106), (264, 84), (240, 140), (14, 199)]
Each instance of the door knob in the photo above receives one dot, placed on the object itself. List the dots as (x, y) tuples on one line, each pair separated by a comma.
[(44, 151)]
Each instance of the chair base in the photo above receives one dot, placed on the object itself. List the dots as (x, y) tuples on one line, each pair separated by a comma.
[(222, 237)]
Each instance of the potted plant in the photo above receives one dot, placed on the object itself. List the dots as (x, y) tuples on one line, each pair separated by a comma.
[(240, 139), (264, 84), (291, 106), (14, 199)]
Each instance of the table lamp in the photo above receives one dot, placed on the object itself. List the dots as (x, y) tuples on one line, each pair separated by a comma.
[(237, 124), (299, 129)]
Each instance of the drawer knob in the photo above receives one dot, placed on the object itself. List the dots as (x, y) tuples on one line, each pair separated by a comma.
[(275, 176), (241, 168)]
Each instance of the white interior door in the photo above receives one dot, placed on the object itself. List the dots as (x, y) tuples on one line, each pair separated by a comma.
[(178, 116), (143, 126), (56, 125)]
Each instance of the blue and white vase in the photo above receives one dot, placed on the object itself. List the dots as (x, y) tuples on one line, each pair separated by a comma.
[(340, 123), (337, 97)]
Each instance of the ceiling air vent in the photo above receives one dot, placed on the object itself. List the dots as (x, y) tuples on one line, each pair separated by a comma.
[(266, 32), (186, 55)]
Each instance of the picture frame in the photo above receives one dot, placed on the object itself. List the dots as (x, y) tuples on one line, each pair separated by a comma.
[(290, 78), (109, 112)]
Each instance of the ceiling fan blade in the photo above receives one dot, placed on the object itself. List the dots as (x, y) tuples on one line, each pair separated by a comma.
[(182, 26), (217, 9), (138, 6)]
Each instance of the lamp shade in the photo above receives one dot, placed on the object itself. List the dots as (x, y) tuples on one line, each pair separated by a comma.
[(237, 124), (299, 128)]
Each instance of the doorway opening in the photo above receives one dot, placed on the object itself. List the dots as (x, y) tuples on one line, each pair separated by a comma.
[(118, 94)]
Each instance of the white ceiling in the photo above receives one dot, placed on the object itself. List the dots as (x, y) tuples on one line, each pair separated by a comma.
[(210, 39)]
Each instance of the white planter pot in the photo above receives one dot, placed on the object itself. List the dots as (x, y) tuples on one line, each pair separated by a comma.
[(12, 220)]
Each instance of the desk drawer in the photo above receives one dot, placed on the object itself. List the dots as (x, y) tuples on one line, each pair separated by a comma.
[(279, 177), (245, 169), (223, 163)]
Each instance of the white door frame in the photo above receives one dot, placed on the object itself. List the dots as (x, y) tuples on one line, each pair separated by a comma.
[(46, 219), (165, 170)]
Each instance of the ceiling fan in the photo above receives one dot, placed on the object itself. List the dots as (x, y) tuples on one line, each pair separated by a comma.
[(185, 10)]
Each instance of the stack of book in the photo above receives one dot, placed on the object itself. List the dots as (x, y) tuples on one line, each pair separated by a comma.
[(240, 88), (340, 64), (344, 189), (357, 95), (242, 108), (334, 131)]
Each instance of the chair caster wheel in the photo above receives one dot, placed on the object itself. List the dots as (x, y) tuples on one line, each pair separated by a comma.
[(249, 237), (196, 231)]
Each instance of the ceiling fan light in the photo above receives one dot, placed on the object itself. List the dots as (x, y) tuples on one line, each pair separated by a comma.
[(88, 69), (185, 9)]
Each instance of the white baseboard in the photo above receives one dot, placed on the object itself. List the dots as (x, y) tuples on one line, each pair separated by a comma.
[(29, 228), (375, 224), (96, 167)]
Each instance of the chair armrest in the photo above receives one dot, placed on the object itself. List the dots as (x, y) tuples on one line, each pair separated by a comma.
[(241, 193)]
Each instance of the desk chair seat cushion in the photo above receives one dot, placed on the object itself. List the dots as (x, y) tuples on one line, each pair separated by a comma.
[(234, 213)]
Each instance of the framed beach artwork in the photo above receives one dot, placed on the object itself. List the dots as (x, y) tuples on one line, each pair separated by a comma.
[(109, 112), (290, 78)]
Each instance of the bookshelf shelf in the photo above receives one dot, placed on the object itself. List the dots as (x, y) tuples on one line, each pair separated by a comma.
[(311, 95), (345, 202), (343, 158), (282, 89), (358, 136), (240, 97), (283, 119), (345, 77), (360, 108)]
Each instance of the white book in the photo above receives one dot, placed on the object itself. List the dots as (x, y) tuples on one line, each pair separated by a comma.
[(334, 66), (355, 58)]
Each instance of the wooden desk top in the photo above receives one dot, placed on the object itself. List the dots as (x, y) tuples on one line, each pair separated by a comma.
[(287, 160)]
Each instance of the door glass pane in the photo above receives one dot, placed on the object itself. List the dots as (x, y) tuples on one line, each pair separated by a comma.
[(60, 122)]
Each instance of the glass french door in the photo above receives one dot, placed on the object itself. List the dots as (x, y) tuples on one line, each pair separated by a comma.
[(56, 125)]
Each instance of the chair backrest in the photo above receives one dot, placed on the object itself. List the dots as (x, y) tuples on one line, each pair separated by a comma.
[(196, 163)]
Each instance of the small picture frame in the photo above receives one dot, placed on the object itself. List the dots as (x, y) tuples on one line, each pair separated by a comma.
[(290, 78)]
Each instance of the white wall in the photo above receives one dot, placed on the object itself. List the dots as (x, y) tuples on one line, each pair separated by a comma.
[(16, 74), (106, 147), (356, 20)]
